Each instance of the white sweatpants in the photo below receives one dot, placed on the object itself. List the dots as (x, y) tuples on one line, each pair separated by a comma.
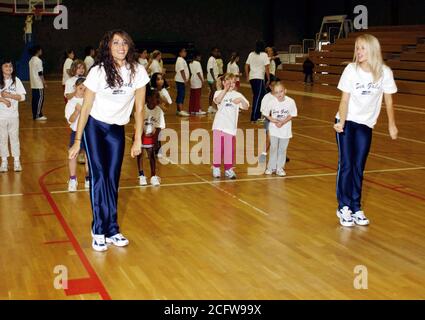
[(278, 147), (9, 129)]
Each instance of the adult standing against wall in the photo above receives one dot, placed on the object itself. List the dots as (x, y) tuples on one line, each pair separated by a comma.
[(256, 70), (114, 84)]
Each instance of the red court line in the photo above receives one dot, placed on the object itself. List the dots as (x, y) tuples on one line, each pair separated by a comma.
[(96, 284)]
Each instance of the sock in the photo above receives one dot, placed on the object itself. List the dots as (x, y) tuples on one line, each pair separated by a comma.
[(87, 178), (264, 153), (16, 159), (73, 177), (141, 173)]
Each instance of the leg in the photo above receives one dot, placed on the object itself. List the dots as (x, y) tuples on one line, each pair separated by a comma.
[(281, 155), (152, 160), (40, 104), (272, 165), (229, 151), (115, 144), (180, 95), (255, 86), (35, 102), (362, 142), (4, 143), (192, 101), (211, 95), (14, 138), (217, 148), (344, 178)]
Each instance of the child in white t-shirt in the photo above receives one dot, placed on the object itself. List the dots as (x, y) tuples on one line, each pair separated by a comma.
[(78, 69), (233, 67), (225, 125), (154, 122), (11, 93), (70, 55), (72, 114), (279, 111), (196, 82), (212, 75)]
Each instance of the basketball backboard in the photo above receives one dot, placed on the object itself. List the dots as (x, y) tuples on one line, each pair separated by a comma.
[(29, 7)]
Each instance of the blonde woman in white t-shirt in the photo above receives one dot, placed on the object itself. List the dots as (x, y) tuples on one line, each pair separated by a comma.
[(114, 85), (364, 83), (225, 126)]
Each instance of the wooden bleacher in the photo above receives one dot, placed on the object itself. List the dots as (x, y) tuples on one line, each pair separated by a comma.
[(403, 48)]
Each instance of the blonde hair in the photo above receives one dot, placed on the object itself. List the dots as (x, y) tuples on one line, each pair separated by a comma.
[(375, 60), (277, 84), (228, 76), (155, 54), (74, 66)]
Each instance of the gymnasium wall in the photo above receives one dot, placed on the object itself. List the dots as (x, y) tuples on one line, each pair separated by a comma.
[(231, 25)]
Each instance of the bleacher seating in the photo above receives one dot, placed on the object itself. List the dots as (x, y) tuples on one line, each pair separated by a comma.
[(403, 48)]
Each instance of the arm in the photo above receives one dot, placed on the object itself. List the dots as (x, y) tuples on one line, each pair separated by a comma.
[(267, 75), (343, 111), (212, 74), (200, 76), (247, 71), (82, 121), (136, 148), (285, 121), (245, 104), (391, 118), (69, 96), (183, 75), (17, 97), (5, 101), (75, 114), (220, 97)]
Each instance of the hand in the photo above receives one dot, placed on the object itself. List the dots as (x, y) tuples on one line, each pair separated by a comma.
[(226, 85), (5, 95), (339, 127), (136, 149), (78, 107), (74, 150), (237, 101), (279, 124), (45, 85), (393, 131)]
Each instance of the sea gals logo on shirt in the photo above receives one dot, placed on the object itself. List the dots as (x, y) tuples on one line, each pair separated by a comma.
[(367, 89), (228, 102), (280, 114)]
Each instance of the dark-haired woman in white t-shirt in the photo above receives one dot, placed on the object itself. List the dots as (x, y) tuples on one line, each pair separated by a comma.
[(363, 84), (114, 84)]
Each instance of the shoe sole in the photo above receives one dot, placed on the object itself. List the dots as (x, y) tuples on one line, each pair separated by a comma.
[(109, 241), (363, 224), (344, 224)]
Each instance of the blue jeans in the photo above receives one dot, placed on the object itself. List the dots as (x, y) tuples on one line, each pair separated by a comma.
[(181, 91)]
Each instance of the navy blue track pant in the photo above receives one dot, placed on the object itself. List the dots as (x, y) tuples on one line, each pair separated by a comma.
[(353, 149), (105, 151), (258, 87), (37, 103)]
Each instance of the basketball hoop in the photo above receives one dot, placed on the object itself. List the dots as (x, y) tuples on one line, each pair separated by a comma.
[(38, 14)]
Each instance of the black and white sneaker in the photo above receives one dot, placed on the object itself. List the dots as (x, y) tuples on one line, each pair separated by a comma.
[(345, 218), (99, 243), (360, 219)]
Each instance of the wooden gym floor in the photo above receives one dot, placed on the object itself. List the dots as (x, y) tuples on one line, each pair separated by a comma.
[(192, 238)]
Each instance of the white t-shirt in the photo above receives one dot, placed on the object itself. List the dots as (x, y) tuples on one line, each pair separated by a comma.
[(66, 66), (89, 62), (16, 88), (165, 96), (257, 65), (281, 110), (233, 68), (181, 64), (226, 118), (212, 64), (69, 110), (70, 85), (365, 95), (220, 65), (36, 66), (114, 105), (265, 105), (155, 117), (272, 67), (143, 62), (195, 68), (155, 67)]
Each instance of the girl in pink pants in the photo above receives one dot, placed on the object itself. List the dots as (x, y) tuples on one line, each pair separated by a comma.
[(225, 126)]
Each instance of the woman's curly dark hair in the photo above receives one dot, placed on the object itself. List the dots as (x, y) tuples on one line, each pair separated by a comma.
[(104, 58)]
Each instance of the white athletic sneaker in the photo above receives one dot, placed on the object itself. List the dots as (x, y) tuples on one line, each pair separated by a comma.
[(201, 113), (216, 172), (183, 113), (43, 118), (87, 184), (230, 174), (3, 167), (268, 172), (72, 185), (143, 181), (345, 218), (263, 157), (211, 109), (155, 181), (117, 240), (280, 172), (17, 166), (98, 242), (360, 219)]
